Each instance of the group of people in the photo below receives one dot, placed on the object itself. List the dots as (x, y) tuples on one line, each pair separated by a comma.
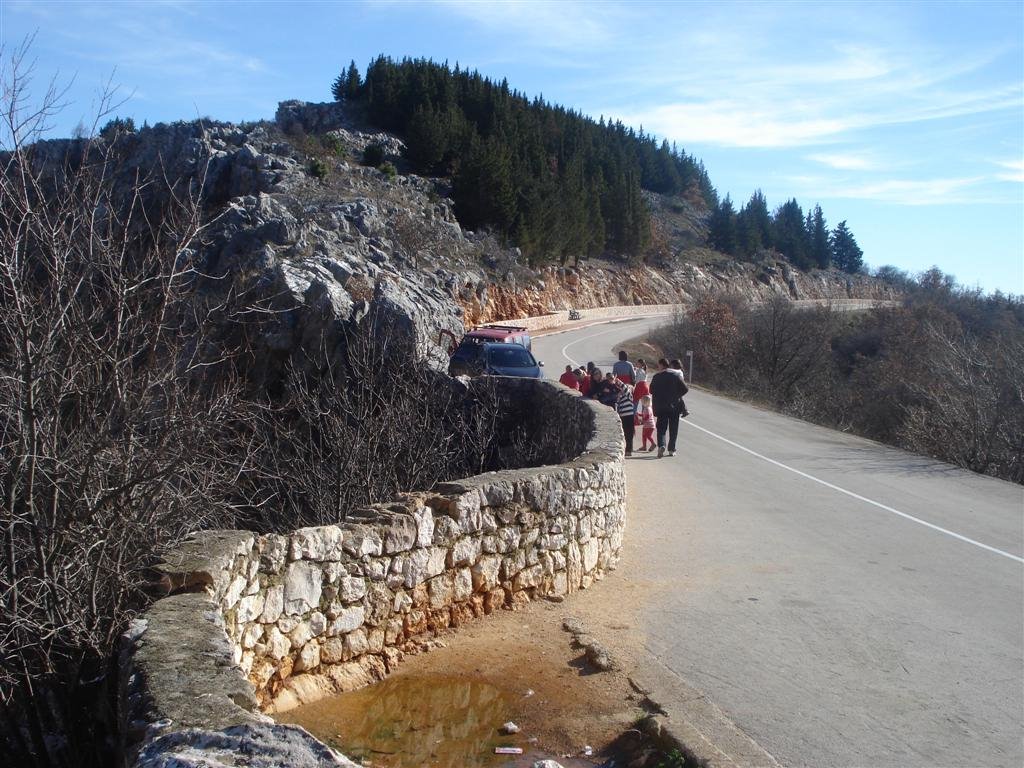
[(654, 406)]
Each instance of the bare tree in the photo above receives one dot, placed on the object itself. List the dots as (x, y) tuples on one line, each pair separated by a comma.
[(108, 425)]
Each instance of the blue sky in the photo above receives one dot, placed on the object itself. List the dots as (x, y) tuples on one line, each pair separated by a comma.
[(905, 119)]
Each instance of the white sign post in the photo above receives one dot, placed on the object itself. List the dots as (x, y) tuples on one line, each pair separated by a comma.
[(689, 355)]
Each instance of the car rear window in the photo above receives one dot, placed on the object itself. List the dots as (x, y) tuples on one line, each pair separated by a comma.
[(466, 353), (510, 357)]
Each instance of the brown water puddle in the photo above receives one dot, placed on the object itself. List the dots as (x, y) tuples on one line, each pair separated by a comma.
[(408, 721)]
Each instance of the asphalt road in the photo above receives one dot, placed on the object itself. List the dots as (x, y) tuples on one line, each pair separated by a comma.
[(842, 602)]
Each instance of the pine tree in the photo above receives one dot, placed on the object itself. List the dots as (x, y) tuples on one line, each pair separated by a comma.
[(352, 81), (790, 236), (817, 234), (846, 254), (722, 235), (425, 140)]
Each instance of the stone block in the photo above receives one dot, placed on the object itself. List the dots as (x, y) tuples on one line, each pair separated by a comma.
[(302, 587), (512, 564), (278, 644), (300, 635), (249, 608), (394, 631), (462, 586), (233, 593), (318, 543), (508, 539), (375, 640), (446, 531), (424, 517), (317, 623), (333, 572), (485, 572), (378, 604), (351, 588), (347, 620), (332, 650), (527, 578), (362, 540), (589, 551), (402, 602), (356, 644), (252, 635), (441, 590), (465, 551), (308, 658), (400, 534)]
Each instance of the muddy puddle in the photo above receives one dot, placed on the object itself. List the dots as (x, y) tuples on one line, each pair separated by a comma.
[(409, 721)]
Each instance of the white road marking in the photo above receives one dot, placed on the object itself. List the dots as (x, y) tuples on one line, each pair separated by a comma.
[(591, 336), (857, 495)]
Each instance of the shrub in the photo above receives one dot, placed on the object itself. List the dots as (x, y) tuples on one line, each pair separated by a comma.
[(388, 169), (317, 168), (373, 155), (333, 144)]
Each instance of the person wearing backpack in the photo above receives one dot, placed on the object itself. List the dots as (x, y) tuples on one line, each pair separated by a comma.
[(667, 391)]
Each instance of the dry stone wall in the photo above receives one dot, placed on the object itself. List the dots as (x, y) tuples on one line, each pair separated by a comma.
[(260, 624)]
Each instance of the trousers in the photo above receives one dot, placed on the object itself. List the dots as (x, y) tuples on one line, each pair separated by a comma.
[(668, 421), (628, 431)]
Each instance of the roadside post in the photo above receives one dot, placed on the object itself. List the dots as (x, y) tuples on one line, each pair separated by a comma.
[(689, 357)]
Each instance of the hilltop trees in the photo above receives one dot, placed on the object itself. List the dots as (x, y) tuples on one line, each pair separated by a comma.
[(804, 240), (846, 254), (555, 182)]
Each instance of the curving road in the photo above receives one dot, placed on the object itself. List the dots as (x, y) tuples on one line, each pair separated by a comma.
[(841, 602)]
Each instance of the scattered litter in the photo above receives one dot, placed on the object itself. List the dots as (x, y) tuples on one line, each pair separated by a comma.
[(508, 750), (588, 750), (510, 728), (529, 693)]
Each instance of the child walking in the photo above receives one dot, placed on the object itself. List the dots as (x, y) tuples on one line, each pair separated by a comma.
[(645, 420)]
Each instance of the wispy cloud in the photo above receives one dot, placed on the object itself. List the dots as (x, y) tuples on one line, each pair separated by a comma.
[(551, 24), (1013, 170), (846, 161), (965, 190)]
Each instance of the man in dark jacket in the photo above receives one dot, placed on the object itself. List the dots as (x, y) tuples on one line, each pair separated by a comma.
[(667, 390)]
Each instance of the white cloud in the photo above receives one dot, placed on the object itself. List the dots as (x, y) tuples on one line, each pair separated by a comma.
[(965, 190), (846, 161), (1014, 170)]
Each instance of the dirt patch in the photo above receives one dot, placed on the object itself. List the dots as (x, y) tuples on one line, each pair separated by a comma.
[(524, 667)]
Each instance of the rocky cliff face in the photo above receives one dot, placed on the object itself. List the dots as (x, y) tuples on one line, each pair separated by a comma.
[(601, 284), (300, 228)]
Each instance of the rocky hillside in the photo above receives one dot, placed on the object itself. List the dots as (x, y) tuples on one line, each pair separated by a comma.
[(298, 224)]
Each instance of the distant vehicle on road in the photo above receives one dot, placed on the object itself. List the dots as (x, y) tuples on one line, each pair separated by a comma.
[(488, 358)]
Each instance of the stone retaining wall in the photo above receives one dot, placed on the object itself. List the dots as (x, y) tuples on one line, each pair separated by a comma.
[(561, 317), (264, 623)]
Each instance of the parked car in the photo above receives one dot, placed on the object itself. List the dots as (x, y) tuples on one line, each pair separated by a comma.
[(508, 334), (489, 358)]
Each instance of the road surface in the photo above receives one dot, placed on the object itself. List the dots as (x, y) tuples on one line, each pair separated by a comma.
[(841, 602)]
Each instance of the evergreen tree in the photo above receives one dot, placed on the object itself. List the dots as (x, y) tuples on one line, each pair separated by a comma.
[(846, 254), (556, 182), (346, 85), (817, 235), (722, 234), (425, 140), (790, 237), (754, 226)]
